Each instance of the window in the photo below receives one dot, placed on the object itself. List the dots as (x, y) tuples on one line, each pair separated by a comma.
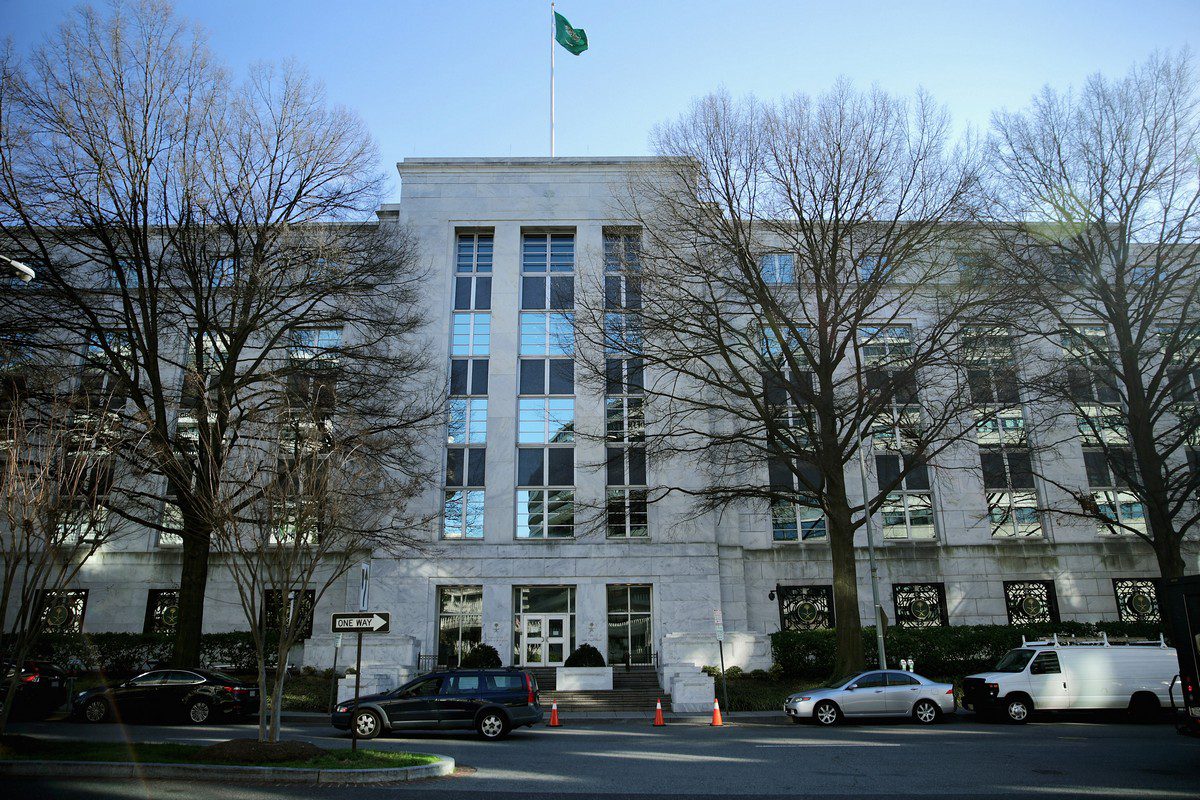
[(1030, 602), (172, 519), (1086, 350), (124, 273), (625, 419), (473, 268), (308, 344), (545, 504), (162, 611), (548, 252), (805, 608), (802, 520), (622, 292), (907, 509), (463, 506), (470, 334), (920, 605), (546, 420), (975, 266), (871, 680), (1137, 600), (629, 625), (622, 250), (206, 355), (1108, 474), (547, 334), (468, 376), (298, 610), (463, 684), (1045, 664), (460, 622), (990, 354), (623, 376), (82, 522), (778, 268), (885, 343), (155, 678), (901, 679), (468, 420), (62, 611), (1011, 496), (106, 363), (628, 515), (873, 268), (622, 333), (627, 498), (426, 688)]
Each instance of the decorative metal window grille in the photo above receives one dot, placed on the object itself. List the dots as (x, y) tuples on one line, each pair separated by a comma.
[(1030, 602), (805, 608), (1137, 600), (920, 605), (271, 618), (62, 611), (162, 611)]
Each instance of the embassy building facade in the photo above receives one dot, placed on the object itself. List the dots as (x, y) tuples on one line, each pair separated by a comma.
[(545, 539)]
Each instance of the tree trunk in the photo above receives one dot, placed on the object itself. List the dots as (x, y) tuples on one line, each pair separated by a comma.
[(277, 699), (847, 624), (262, 694), (193, 580)]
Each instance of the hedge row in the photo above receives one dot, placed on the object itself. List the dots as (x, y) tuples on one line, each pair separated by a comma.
[(951, 651), (124, 653)]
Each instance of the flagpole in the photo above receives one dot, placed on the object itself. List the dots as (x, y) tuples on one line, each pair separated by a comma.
[(552, 30)]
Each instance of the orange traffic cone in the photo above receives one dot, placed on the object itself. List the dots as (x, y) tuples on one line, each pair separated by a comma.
[(554, 723), (716, 723), (658, 719)]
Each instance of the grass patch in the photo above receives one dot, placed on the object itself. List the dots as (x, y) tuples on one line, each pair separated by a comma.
[(27, 748)]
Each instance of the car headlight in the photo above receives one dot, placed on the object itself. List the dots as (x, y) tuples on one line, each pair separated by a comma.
[(343, 709)]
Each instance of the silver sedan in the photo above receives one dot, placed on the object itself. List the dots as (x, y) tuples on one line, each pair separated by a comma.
[(878, 693)]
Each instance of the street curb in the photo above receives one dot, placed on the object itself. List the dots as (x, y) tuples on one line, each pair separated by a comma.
[(219, 772)]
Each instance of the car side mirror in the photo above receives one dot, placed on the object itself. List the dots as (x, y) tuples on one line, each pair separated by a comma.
[(852, 687)]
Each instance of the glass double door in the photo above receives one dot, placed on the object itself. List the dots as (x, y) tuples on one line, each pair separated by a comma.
[(544, 639)]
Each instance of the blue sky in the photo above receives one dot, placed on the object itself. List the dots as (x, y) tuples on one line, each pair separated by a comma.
[(470, 78)]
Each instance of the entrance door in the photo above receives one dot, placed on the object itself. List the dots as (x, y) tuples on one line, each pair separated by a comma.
[(544, 640)]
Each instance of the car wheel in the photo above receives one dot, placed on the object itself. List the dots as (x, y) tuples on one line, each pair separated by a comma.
[(198, 711), (1017, 709), (1144, 708), (826, 713), (492, 725), (926, 712), (367, 724), (96, 710)]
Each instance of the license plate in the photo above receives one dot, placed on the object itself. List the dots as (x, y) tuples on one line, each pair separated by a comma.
[(1194, 711), (252, 693)]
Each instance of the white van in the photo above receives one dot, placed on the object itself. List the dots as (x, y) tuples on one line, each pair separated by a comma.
[(1072, 674)]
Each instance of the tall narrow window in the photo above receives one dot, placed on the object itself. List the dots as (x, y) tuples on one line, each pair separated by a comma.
[(629, 625), (547, 268), (546, 492), (464, 496), (460, 622), (802, 520), (473, 272), (1109, 471)]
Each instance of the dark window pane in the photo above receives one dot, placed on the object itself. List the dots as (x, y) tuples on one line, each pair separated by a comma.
[(533, 292), (613, 380), (980, 384), (462, 293), (615, 464), (483, 293), (533, 376), (637, 466), (1007, 389), (887, 469), (479, 376), (1021, 467), (993, 470), (1123, 468), (562, 376), (1106, 391), (477, 458), (774, 389), (634, 383), (1097, 468), (562, 292), (562, 466), (454, 466), (612, 291), (813, 479), (906, 388), (780, 475), (529, 467), (458, 376), (876, 380), (633, 292), (918, 477), (1079, 383)]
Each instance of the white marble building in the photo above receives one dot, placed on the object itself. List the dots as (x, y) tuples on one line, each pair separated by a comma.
[(514, 568)]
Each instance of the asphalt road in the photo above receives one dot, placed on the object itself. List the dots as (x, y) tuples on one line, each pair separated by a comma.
[(1089, 757)]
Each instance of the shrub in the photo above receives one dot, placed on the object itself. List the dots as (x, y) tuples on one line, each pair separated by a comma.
[(734, 672), (119, 654), (711, 672), (585, 656), (760, 675), (951, 651), (483, 656)]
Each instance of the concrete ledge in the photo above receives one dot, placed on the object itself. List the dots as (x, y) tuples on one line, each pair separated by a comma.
[(220, 772)]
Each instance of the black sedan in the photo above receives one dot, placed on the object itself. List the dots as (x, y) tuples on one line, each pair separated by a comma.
[(196, 695), (41, 688)]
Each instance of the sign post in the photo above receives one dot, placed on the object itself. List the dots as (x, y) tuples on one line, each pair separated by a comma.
[(358, 624), (719, 626)]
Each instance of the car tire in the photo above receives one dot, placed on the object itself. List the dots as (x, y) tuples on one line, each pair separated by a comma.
[(492, 725), (827, 713), (1017, 709), (96, 710), (199, 711), (1144, 707), (926, 712), (367, 724)]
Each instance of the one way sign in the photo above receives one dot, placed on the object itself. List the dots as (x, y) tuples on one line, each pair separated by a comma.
[(363, 622)]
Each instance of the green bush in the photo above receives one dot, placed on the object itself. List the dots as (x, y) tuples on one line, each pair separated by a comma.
[(585, 656), (734, 672), (483, 656), (950, 651)]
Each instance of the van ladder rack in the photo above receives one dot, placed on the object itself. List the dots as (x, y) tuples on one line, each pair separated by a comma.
[(1103, 641)]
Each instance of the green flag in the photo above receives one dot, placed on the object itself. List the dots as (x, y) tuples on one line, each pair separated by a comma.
[(574, 39)]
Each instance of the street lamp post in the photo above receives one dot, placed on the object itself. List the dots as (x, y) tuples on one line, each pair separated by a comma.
[(862, 474), (18, 269)]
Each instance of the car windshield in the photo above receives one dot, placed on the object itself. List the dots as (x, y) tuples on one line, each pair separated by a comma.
[(1014, 661), (837, 683)]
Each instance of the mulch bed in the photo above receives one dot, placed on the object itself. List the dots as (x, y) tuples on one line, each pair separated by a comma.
[(252, 751)]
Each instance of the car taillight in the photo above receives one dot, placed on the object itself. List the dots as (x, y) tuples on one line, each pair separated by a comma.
[(234, 689), (950, 690), (995, 687), (30, 678), (529, 689)]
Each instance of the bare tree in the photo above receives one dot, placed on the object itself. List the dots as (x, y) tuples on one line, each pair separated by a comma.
[(1105, 186), (798, 292), (55, 474), (195, 233)]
